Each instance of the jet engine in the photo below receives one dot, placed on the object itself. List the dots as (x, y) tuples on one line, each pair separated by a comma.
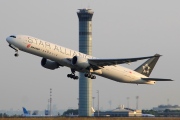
[(49, 64), (80, 62)]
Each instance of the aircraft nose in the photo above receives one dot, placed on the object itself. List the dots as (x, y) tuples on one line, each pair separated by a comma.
[(8, 39)]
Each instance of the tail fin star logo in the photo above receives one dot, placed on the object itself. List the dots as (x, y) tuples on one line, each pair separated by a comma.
[(29, 45), (146, 69)]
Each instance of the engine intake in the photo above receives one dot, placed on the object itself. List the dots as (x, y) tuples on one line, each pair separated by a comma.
[(80, 62), (49, 64)]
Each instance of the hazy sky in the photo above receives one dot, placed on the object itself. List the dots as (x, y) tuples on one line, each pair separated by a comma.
[(121, 29)]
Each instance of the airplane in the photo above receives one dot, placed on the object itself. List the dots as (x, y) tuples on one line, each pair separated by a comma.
[(55, 56), (27, 114), (148, 115)]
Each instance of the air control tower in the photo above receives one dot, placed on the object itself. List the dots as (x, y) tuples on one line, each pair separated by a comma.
[(85, 46)]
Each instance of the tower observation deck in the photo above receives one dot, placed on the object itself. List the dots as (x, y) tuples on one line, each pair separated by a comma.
[(85, 46)]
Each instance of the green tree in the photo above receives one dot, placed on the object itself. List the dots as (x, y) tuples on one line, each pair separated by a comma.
[(71, 112)]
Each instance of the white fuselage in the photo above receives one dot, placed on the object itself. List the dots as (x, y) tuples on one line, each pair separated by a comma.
[(64, 55)]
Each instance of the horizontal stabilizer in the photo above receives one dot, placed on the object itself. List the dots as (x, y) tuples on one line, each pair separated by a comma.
[(156, 79)]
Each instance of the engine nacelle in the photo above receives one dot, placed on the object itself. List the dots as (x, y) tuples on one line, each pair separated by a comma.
[(49, 64), (80, 62)]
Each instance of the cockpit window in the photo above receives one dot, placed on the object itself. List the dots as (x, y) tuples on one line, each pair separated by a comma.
[(13, 36)]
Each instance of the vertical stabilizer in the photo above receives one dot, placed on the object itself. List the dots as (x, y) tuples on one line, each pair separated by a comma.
[(25, 111), (92, 110), (147, 67)]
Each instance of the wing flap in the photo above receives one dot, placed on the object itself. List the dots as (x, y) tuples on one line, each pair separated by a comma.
[(156, 79), (106, 62)]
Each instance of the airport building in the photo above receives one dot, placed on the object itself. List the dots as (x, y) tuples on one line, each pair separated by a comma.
[(166, 107), (85, 46), (120, 112)]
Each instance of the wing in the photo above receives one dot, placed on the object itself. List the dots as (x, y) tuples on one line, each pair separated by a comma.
[(105, 62), (156, 79)]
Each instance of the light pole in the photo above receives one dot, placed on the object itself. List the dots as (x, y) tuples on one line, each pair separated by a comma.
[(168, 101), (110, 102), (18, 112), (98, 101), (137, 97), (78, 102), (50, 111), (93, 101), (48, 106), (127, 102)]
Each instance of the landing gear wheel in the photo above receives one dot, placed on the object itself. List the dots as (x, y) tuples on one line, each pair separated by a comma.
[(72, 75), (16, 54), (90, 75), (77, 77), (86, 75), (93, 77), (69, 75)]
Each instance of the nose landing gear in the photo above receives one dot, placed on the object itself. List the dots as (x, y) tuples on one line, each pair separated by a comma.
[(16, 54), (16, 50)]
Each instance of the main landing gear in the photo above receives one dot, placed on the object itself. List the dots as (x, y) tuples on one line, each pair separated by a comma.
[(90, 76), (72, 75)]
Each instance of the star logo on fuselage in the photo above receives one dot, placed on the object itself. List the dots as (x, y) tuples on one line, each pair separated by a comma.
[(146, 69)]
